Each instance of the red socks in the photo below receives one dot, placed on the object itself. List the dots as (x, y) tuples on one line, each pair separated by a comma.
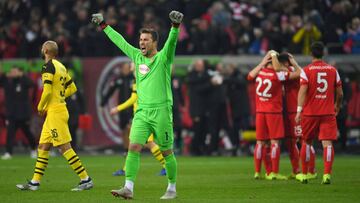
[(328, 158), (294, 154), (267, 159), (257, 157), (275, 157), (312, 160)]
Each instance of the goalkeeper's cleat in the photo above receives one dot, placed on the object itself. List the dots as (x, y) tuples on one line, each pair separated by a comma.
[(310, 176), (269, 176), (302, 178), (123, 192), (120, 172), (84, 185), (257, 175), (169, 195), (326, 179), (162, 172), (277, 176), (28, 186)]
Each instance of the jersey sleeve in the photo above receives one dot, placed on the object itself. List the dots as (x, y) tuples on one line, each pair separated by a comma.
[(120, 42), (47, 73), (303, 78), (130, 101), (282, 75), (170, 44)]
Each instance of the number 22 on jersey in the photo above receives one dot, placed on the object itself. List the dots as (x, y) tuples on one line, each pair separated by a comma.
[(263, 92)]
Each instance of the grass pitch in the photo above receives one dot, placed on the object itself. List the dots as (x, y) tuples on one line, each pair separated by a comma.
[(200, 179)]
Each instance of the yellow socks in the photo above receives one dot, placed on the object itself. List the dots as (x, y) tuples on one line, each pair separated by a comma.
[(40, 166), (75, 163)]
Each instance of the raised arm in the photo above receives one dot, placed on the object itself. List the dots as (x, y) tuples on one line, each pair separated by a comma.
[(255, 71), (128, 103), (115, 37), (170, 45), (296, 73)]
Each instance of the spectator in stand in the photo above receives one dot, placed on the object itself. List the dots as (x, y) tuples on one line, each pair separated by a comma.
[(18, 109), (198, 80), (351, 39), (308, 34), (237, 93)]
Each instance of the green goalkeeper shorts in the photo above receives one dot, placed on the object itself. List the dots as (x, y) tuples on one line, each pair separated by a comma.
[(158, 121)]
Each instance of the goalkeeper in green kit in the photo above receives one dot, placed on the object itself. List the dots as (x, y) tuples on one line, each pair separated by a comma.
[(154, 112)]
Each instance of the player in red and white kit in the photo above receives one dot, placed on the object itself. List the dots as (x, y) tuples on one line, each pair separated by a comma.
[(316, 111), (293, 132), (269, 118)]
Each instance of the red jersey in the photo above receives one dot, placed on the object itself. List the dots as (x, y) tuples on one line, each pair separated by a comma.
[(291, 93), (322, 79), (269, 90)]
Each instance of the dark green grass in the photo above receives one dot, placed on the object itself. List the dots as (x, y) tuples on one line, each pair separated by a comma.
[(205, 179)]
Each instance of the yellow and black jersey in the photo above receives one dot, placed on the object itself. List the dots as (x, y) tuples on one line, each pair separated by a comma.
[(55, 74)]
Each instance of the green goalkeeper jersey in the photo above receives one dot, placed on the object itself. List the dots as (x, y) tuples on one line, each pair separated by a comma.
[(153, 75)]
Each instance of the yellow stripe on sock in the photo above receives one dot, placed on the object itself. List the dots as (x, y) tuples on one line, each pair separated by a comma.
[(158, 155)]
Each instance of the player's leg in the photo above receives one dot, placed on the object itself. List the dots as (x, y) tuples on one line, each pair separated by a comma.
[(155, 150), (292, 132), (275, 124), (261, 137), (126, 132), (312, 171), (75, 163), (139, 133), (45, 144), (40, 166), (310, 126), (328, 133), (164, 136), (266, 154)]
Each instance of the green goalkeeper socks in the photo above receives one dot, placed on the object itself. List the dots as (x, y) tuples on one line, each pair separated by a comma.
[(132, 165), (171, 168)]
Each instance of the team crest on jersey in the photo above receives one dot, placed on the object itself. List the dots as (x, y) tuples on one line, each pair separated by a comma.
[(143, 69)]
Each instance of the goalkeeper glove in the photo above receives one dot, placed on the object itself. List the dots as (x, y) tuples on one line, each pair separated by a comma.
[(176, 17), (98, 19)]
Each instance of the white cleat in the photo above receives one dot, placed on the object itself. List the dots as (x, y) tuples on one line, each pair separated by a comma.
[(169, 195), (123, 192), (6, 156), (28, 186), (84, 185)]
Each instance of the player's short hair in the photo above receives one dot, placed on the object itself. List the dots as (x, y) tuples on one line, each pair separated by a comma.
[(317, 49), (154, 34), (52, 47), (283, 57)]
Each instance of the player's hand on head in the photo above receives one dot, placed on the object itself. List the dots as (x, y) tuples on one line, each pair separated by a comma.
[(176, 17), (97, 18)]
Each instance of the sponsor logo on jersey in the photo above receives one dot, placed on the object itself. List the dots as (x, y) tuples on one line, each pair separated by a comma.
[(143, 69)]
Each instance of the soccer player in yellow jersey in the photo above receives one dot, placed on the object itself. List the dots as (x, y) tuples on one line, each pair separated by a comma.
[(150, 144), (55, 132)]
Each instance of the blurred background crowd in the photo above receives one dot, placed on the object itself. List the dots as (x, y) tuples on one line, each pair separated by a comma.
[(210, 27)]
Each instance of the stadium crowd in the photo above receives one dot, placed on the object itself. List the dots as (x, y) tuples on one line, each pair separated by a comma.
[(210, 27)]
